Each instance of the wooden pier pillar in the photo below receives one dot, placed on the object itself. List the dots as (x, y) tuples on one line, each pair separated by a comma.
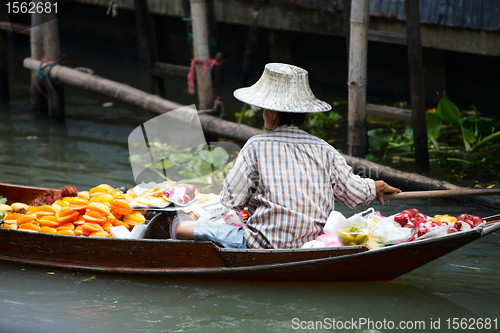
[(4, 60), (202, 53), (37, 88), (417, 90), (251, 42), (358, 49), (52, 51), (146, 33), (347, 24)]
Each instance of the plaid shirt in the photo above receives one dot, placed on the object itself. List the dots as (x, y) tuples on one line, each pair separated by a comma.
[(289, 179)]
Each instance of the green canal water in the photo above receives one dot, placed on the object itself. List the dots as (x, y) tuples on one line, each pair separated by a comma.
[(90, 148)]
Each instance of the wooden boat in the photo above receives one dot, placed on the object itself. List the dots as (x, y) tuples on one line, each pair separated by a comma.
[(192, 259)]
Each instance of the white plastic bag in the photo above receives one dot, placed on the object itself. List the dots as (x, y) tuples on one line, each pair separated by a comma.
[(313, 244), (436, 232), (333, 223), (388, 232)]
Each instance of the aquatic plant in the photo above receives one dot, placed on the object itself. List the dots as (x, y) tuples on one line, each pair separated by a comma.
[(456, 138)]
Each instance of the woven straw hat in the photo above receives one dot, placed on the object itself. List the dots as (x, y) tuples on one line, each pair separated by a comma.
[(282, 87)]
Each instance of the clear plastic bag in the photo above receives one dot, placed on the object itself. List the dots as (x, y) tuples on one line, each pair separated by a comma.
[(354, 231), (389, 232)]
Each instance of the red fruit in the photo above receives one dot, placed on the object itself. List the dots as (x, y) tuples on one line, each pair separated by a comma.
[(423, 216), (463, 217), (417, 221), (477, 221), (183, 199), (402, 218), (190, 189), (458, 225), (467, 225), (68, 191), (413, 211), (422, 231), (410, 225), (412, 238), (452, 230)]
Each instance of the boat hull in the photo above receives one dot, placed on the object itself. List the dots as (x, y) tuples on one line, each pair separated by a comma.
[(205, 260)]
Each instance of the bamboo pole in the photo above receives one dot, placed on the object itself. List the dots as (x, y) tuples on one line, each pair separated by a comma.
[(52, 51), (442, 194), (357, 143), (37, 88), (202, 53), (417, 84)]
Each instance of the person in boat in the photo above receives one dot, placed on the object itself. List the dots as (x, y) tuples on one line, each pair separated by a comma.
[(287, 178)]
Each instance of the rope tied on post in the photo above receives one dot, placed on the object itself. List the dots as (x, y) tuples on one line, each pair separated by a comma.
[(42, 75), (207, 63)]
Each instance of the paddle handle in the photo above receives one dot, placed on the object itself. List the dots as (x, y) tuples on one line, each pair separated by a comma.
[(441, 194)]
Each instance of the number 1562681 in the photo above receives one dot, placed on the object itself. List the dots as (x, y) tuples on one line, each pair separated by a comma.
[(16, 7), (472, 323)]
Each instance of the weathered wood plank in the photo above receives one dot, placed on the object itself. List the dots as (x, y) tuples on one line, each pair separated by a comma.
[(164, 69), (389, 112), (387, 37)]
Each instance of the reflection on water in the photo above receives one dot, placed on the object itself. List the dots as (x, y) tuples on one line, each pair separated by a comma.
[(91, 148), (64, 301)]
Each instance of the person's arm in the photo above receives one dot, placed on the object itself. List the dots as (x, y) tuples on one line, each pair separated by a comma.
[(240, 184), (353, 190)]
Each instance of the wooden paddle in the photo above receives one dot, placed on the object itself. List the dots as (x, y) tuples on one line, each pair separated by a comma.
[(441, 194)]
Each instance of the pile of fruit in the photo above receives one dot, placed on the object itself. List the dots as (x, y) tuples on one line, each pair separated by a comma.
[(423, 224), (68, 212)]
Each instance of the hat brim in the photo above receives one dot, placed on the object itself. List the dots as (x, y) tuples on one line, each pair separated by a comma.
[(282, 87), (267, 101)]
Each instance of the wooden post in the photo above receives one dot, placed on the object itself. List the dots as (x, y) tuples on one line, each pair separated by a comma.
[(146, 33), (218, 76), (202, 53), (213, 32), (251, 42), (356, 140), (186, 7), (347, 24), (52, 51), (417, 85), (37, 88), (4, 59)]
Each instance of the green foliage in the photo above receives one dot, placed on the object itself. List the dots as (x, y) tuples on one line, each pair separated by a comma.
[(3, 200), (203, 165), (316, 123), (472, 128), (248, 115), (457, 141)]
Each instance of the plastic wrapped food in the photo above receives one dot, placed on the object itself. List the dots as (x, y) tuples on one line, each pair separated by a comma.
[(354, 233)]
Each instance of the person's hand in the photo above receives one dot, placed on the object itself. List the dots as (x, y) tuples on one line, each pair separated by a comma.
[(382, 188)]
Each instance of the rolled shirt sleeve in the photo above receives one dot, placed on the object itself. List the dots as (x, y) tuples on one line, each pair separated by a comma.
[(240, 184), (350, 189)]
